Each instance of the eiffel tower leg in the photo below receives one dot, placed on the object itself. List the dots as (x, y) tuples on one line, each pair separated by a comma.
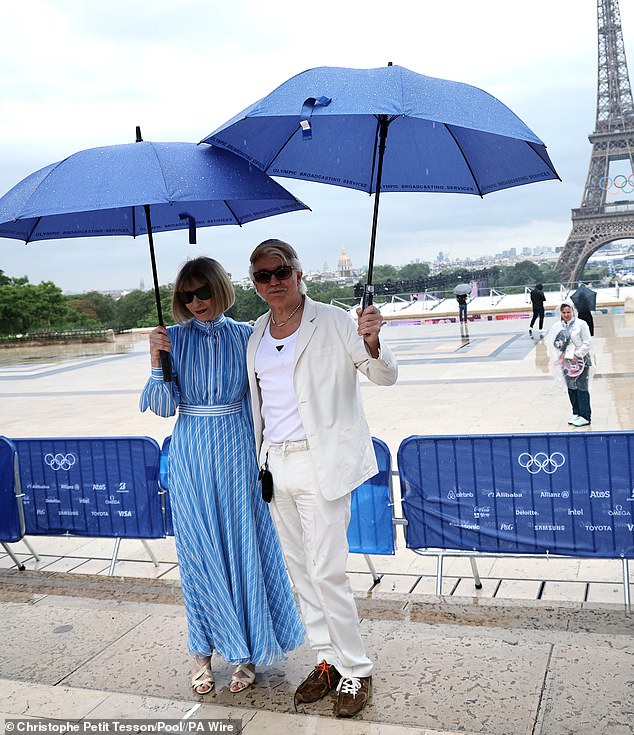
[(605, 214)]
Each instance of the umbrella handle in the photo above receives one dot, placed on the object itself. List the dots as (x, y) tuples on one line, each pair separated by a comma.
[(368, 296), (166, 366)]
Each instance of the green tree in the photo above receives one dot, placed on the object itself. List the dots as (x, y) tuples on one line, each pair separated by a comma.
[(383, 273), (523, 273), (248, 305), (326, 291), (27, 308), (413, 271), (138, 308), (96, 306)]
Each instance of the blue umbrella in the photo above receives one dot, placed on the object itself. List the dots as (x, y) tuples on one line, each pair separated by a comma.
[(137, 189), (386, 129)]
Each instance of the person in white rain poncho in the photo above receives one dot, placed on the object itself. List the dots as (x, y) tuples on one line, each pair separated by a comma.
[(236, 590), (569, 344)]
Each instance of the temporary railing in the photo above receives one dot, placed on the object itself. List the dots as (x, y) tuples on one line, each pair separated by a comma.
[(371, 529), (564, 494), (92, 486), (527, 494)]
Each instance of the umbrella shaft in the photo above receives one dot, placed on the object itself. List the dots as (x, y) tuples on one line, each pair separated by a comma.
[(165, 357), (383, 123), (157, 294)]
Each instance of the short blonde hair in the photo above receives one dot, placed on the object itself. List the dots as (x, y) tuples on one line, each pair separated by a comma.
[(282, 250), (207, 272)]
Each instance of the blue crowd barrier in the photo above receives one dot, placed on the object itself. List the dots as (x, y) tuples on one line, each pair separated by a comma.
[(567, 494), (91, 486), (11, 517), (164, 481), (371, 529)]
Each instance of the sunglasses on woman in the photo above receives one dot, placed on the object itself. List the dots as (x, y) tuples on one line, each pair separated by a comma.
[(202, 294), (281, 273)]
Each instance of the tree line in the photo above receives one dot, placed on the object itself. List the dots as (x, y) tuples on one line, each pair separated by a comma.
[(27, 309)]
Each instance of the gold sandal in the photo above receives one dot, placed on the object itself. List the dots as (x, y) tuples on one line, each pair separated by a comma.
[(242, 678), (203, 680)]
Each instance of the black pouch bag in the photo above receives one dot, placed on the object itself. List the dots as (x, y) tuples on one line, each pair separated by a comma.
[(266, 478)]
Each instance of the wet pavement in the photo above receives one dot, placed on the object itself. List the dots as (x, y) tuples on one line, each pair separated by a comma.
[(546, 646)]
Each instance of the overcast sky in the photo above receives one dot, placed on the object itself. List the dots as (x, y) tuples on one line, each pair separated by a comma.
[(77, 74)]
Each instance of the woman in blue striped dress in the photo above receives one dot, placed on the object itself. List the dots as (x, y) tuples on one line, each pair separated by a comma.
[(237, 594)]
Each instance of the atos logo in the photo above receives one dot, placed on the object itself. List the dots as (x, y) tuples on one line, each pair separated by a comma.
[(60, 461), (541, 462)]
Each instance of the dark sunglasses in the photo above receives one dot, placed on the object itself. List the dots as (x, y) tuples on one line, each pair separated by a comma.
[(281, 273), (186, 297)]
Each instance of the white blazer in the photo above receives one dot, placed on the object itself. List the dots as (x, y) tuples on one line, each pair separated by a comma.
[(329, 352)]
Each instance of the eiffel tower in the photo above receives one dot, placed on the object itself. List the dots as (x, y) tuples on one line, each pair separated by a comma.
[(605, 214)]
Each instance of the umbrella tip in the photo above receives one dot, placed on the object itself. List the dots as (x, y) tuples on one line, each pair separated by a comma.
[(139, 139), (389, 63)]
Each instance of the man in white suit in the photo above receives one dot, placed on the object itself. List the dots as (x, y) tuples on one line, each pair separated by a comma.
[(314, 443)]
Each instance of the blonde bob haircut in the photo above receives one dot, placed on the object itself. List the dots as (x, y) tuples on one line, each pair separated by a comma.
[(202, 271), (282, 250)]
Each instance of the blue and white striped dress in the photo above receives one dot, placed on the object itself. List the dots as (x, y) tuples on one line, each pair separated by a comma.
[(236, 589)]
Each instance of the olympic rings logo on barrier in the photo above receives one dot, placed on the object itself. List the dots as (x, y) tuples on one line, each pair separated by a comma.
[(620, 184), (535, 463), (60, 461)]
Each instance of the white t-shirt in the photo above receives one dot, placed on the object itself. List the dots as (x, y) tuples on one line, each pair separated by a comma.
[(274, 361)]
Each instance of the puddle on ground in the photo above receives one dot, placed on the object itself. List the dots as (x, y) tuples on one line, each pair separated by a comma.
[(56, 353)]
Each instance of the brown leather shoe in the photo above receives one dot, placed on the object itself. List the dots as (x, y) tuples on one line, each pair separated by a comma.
[(353, 693), (321, 680)]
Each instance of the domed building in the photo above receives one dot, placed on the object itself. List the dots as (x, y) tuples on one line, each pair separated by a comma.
[(344, 266)]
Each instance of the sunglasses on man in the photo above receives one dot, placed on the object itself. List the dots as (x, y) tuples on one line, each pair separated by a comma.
[(202, 294), (281, 273)]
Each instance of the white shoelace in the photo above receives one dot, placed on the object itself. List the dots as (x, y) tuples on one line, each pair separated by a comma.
[(349, 685)]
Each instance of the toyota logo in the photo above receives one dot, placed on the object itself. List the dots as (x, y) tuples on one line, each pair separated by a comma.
[(535, 463), (60, 461)]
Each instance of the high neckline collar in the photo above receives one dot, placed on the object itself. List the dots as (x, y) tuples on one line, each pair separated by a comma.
[(216, 323)]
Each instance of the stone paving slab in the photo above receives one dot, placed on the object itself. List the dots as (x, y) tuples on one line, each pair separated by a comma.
[(442, 664)]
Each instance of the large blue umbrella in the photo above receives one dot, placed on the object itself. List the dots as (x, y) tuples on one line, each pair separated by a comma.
[(386, 129), (137, 189)]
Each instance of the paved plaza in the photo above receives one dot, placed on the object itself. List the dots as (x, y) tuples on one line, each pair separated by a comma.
[(546, 646)]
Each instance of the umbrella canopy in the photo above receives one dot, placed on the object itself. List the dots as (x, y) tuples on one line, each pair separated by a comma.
[(584, 298), (102, 192), (137, 189), (462, 289), (386, 129)]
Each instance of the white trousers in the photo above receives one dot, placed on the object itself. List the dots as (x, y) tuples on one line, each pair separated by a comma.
[(312, 533)]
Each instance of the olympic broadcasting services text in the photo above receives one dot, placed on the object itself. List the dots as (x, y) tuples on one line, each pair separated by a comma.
[(61, 727)]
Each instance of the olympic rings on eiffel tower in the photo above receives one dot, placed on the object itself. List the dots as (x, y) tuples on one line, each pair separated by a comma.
[(620, 184)]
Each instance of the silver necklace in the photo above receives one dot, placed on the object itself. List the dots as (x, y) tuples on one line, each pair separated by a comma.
[(289, 317)]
